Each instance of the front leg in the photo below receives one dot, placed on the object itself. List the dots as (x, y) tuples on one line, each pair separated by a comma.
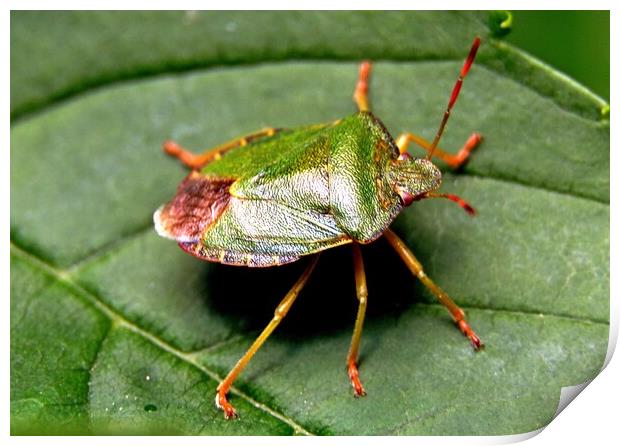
[(453, 160)]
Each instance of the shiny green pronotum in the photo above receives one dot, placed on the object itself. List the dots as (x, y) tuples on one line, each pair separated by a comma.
[(276, 195)]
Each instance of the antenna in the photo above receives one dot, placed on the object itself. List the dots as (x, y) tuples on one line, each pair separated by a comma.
[(455, 94), (458, 200)]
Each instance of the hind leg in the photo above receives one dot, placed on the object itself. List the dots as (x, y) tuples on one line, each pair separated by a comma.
[(362, 297), (282, 309)]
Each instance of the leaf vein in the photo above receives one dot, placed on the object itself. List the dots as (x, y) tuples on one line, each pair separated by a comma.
[(120, 320)]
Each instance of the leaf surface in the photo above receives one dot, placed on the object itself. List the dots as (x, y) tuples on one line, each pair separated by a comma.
[(114, 329)]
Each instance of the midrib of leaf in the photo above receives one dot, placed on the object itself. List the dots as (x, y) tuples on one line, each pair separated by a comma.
[(119, 321)]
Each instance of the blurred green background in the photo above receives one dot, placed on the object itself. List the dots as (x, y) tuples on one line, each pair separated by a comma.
[(575, 42)]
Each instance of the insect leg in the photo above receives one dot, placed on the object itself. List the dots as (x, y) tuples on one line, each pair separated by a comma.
[(360, 96), (362, 296), (281, 310), (197, 161), (416, 268), (453, 160)]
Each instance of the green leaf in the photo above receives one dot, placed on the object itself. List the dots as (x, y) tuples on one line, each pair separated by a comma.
[(115, 330)]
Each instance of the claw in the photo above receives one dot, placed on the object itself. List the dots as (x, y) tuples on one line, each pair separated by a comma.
[(172, 148), (354, 376), (467, 331), (463, 155), (222, 403)]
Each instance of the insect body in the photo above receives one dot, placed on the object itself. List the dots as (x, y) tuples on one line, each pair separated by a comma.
[(294, 194), (277, 195)]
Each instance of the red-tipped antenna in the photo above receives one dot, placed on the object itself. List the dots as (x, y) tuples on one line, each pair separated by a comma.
[(455, 94)]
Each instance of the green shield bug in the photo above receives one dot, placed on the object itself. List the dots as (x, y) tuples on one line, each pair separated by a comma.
[(277, 195)]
